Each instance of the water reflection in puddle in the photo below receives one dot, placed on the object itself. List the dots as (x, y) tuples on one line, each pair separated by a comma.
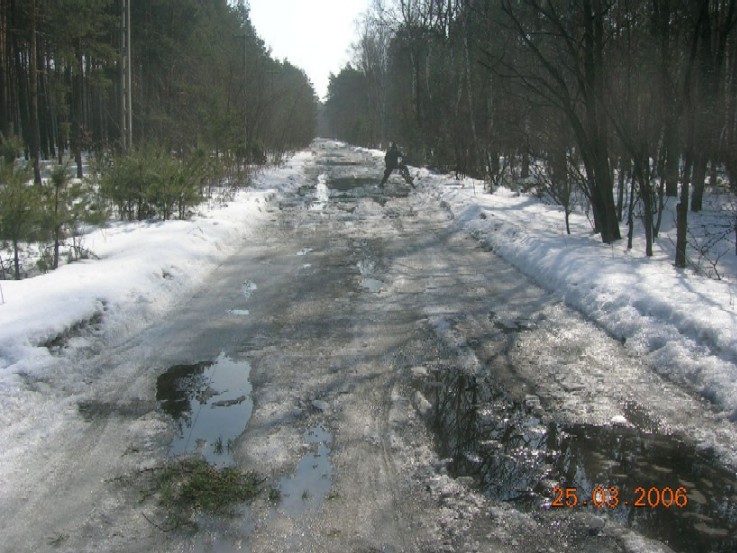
[(341, 162), (310, 484), (370, 265), (345, 192), (515, 456), (349, 183), (211, 404)]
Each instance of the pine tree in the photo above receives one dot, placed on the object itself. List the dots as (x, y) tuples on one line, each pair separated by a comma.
[(20, 210)]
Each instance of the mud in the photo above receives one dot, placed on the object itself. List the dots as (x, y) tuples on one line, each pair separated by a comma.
[(512, 452), (309, 485), (327, 353)]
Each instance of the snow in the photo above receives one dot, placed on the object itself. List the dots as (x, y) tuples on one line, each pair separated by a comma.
[(139, 270), (682, 322)]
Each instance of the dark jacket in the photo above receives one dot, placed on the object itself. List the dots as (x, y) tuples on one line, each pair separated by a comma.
[(392, 157)]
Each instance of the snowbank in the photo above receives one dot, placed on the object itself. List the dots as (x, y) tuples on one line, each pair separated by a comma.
[(683, 323), (139, 270)]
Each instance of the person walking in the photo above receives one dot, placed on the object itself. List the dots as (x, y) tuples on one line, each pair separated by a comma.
[(393, 160)]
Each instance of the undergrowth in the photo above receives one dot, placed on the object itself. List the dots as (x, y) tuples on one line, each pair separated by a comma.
[(188, 485)]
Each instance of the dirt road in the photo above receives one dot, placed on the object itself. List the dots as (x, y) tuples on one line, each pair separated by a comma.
[(398, 387)]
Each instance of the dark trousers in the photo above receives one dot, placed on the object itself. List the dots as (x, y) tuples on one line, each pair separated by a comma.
[(388, 171)]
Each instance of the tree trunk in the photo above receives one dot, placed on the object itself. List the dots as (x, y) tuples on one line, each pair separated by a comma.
[(645, 184), (525, 161), (57, 228), (698, 181), (78, 119), (603, 201), (671, 153), (672, 158), (661, 207), (620, 189), (35, 131), (729, 155), (469, 94), (605, 213), (682, 215), (631, 214), (16, 258), (4, 69)]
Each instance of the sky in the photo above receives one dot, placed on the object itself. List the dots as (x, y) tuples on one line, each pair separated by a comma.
[(315, 35)]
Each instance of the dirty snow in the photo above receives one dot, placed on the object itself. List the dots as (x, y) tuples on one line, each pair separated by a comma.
[(681, 322)]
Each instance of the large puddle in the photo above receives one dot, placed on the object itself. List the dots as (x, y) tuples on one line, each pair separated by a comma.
[(655, 484), (349, 183), (369, 271), (211, 404), (344, 191)]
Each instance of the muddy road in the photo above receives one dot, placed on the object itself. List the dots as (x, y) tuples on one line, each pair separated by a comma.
[(398, 388)]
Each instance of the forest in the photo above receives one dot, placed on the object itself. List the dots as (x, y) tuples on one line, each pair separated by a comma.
[(615, 108), (612, 105), (150, 105)]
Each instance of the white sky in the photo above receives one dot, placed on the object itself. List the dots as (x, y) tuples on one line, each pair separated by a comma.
[(315, 35)]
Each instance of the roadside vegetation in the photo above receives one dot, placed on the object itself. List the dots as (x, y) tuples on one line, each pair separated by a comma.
[(193, 484), (206, 106), (186, 488)]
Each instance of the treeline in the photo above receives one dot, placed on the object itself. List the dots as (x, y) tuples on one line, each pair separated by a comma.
[(201, 77), (614, 98), (208, 103)]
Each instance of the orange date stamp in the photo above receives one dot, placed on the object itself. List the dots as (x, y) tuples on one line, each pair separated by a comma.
[(601, 496)]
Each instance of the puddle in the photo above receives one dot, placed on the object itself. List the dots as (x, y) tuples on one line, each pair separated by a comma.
[(373, 285), (322, 194), (307, 488), (341, 162), (211, 404), (512, 455), (344, 192), (371, 265), (349, 183)]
